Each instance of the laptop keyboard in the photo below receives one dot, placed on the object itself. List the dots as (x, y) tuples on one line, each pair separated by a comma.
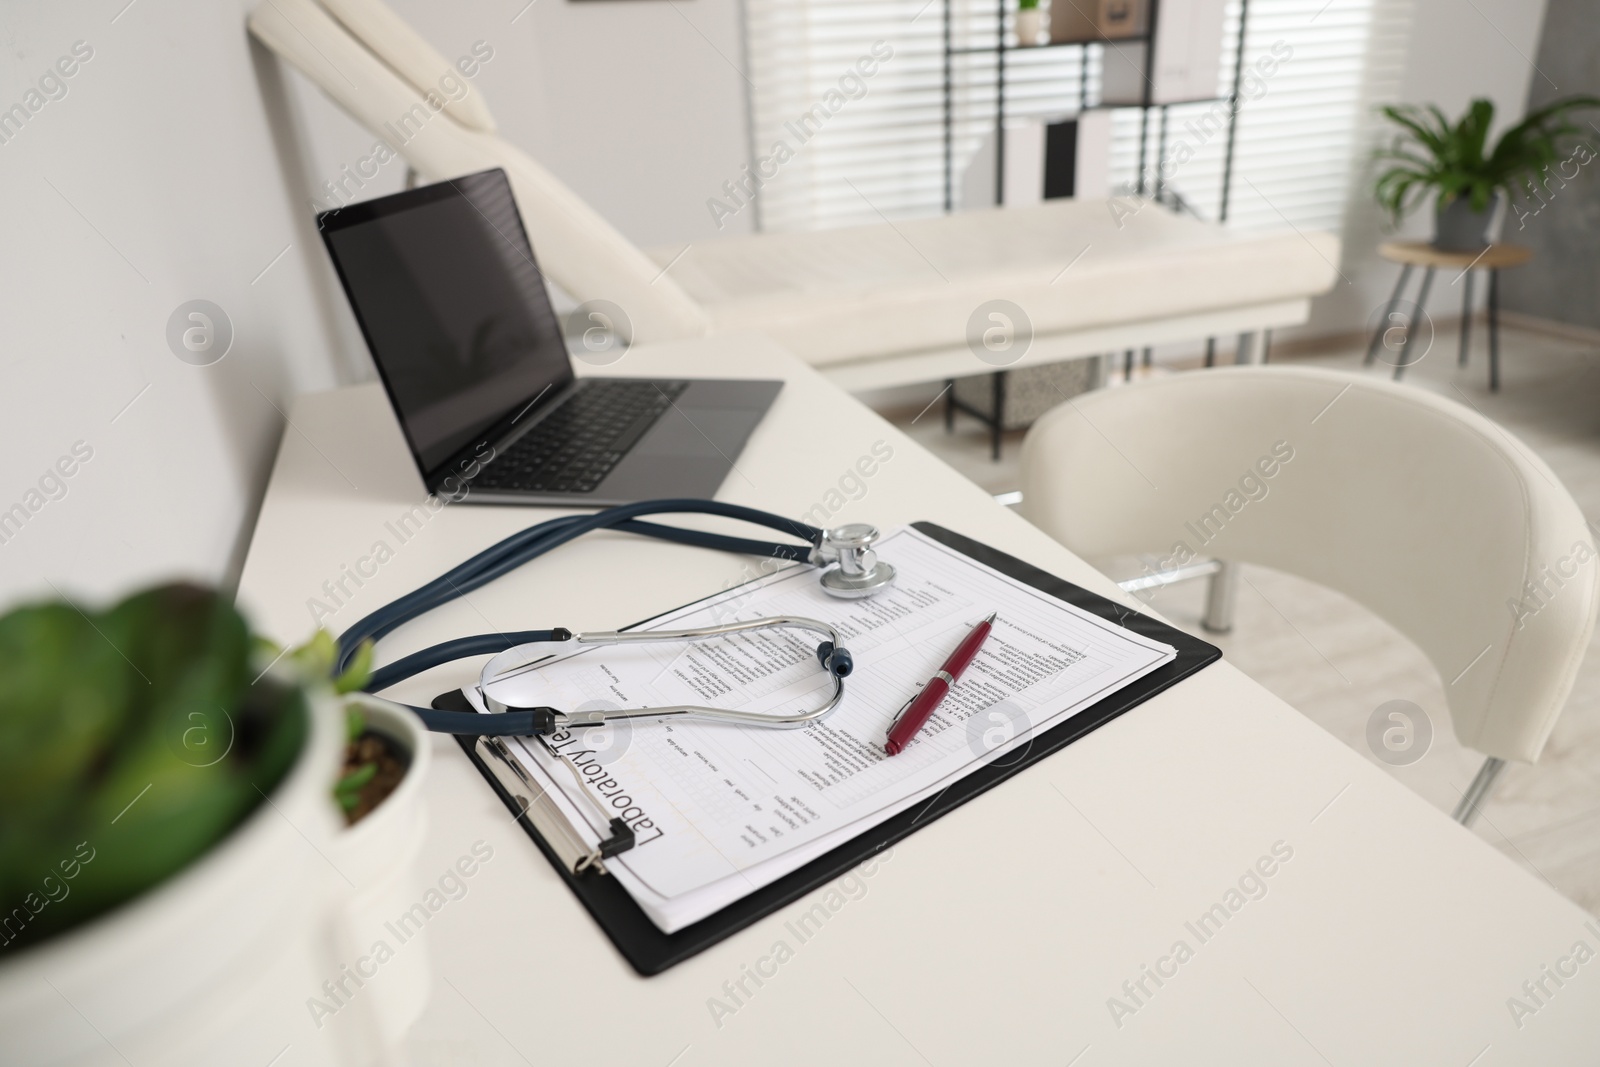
[(574, 447)]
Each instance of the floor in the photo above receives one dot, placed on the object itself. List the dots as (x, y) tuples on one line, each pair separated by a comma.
[(1338, 663)]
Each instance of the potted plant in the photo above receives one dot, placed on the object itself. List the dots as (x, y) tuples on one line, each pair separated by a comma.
[(1430, 153), (385, 762), (1032, 23), (171, 850)]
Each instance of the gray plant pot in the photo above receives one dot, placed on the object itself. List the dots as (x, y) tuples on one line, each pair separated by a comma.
[(1458, 228)]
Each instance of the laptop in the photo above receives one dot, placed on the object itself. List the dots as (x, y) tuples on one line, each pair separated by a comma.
[(453, 306)]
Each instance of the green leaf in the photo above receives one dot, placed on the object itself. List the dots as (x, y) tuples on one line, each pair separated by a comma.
[(355, 723), (316, 656), (352, 782), (358, 673)]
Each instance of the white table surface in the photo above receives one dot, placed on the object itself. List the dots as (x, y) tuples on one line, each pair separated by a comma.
[(996, 934)]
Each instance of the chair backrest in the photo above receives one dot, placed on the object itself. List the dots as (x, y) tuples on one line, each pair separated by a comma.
[(577, 248), (1427, 513)]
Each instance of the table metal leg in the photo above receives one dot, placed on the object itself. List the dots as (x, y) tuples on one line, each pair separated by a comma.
[(1466, 320), (1127, 365), (1494, 331), (1266, 346), (1383, 323), (949, 405), (1145, 357), (1411, 327), (1211, 351)]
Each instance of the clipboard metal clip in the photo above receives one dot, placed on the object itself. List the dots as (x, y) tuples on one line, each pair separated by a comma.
[(553, 827)]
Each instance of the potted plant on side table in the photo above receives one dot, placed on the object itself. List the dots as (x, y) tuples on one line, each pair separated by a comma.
[(1429, 153)]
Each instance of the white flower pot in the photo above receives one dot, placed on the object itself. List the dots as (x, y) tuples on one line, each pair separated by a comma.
[(214, 965), (1032, 22), (384, 960)]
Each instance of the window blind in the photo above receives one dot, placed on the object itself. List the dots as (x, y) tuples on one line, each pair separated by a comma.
[(848, 109)]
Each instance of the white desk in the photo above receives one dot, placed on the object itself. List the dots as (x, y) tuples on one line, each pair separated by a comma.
[(998, 933)]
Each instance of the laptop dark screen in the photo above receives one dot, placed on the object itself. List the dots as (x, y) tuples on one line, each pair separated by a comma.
[(443, 282)]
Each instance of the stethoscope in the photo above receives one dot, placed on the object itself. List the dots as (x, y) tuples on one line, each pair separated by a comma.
[(850, 567)]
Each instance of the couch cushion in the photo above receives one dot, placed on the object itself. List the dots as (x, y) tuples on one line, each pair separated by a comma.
[(833, 296)]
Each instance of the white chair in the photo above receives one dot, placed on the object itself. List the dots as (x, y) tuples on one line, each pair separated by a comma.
[(872, 305), (1430, 515)]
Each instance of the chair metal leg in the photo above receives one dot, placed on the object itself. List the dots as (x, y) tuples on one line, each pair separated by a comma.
[(1145, 357), (1221, 592), (1151, 579), (1466, 320), (1478, 791), (949, 405), (1127, 365), (1383, 324), (1411, 328), (1494, 331), (1266, 346), (1211, 351)]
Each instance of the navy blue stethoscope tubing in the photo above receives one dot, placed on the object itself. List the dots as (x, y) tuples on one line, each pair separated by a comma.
[(513, 552)]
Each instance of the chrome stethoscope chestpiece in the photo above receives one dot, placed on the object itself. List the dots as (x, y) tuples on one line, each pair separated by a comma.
[(853, 569)]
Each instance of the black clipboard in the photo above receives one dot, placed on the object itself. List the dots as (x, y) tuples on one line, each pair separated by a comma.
[(650, 951)]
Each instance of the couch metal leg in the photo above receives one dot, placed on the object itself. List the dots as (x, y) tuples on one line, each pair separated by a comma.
[(1249, 349), (1221, 591), (1099, 371), (1478, 791), (999, 414)]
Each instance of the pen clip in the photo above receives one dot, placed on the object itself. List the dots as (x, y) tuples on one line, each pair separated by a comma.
[(903, 708)]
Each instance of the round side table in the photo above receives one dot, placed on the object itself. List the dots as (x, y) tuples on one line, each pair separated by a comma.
[(1412, 254)]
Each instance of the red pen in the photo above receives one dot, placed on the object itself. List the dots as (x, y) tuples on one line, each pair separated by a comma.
[(919, 707)]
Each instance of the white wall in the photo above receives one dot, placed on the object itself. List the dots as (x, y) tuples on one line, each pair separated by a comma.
[(179, 164), (1457, 51), (152, 182), (638, 106)]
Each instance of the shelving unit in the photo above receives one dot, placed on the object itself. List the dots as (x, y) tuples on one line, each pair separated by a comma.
[(1003, 47), (994, 420)]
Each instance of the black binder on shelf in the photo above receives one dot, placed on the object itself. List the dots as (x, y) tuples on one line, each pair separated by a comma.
[(650, 951)]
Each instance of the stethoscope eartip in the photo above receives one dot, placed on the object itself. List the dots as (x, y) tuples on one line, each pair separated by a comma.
[(836, 661)]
